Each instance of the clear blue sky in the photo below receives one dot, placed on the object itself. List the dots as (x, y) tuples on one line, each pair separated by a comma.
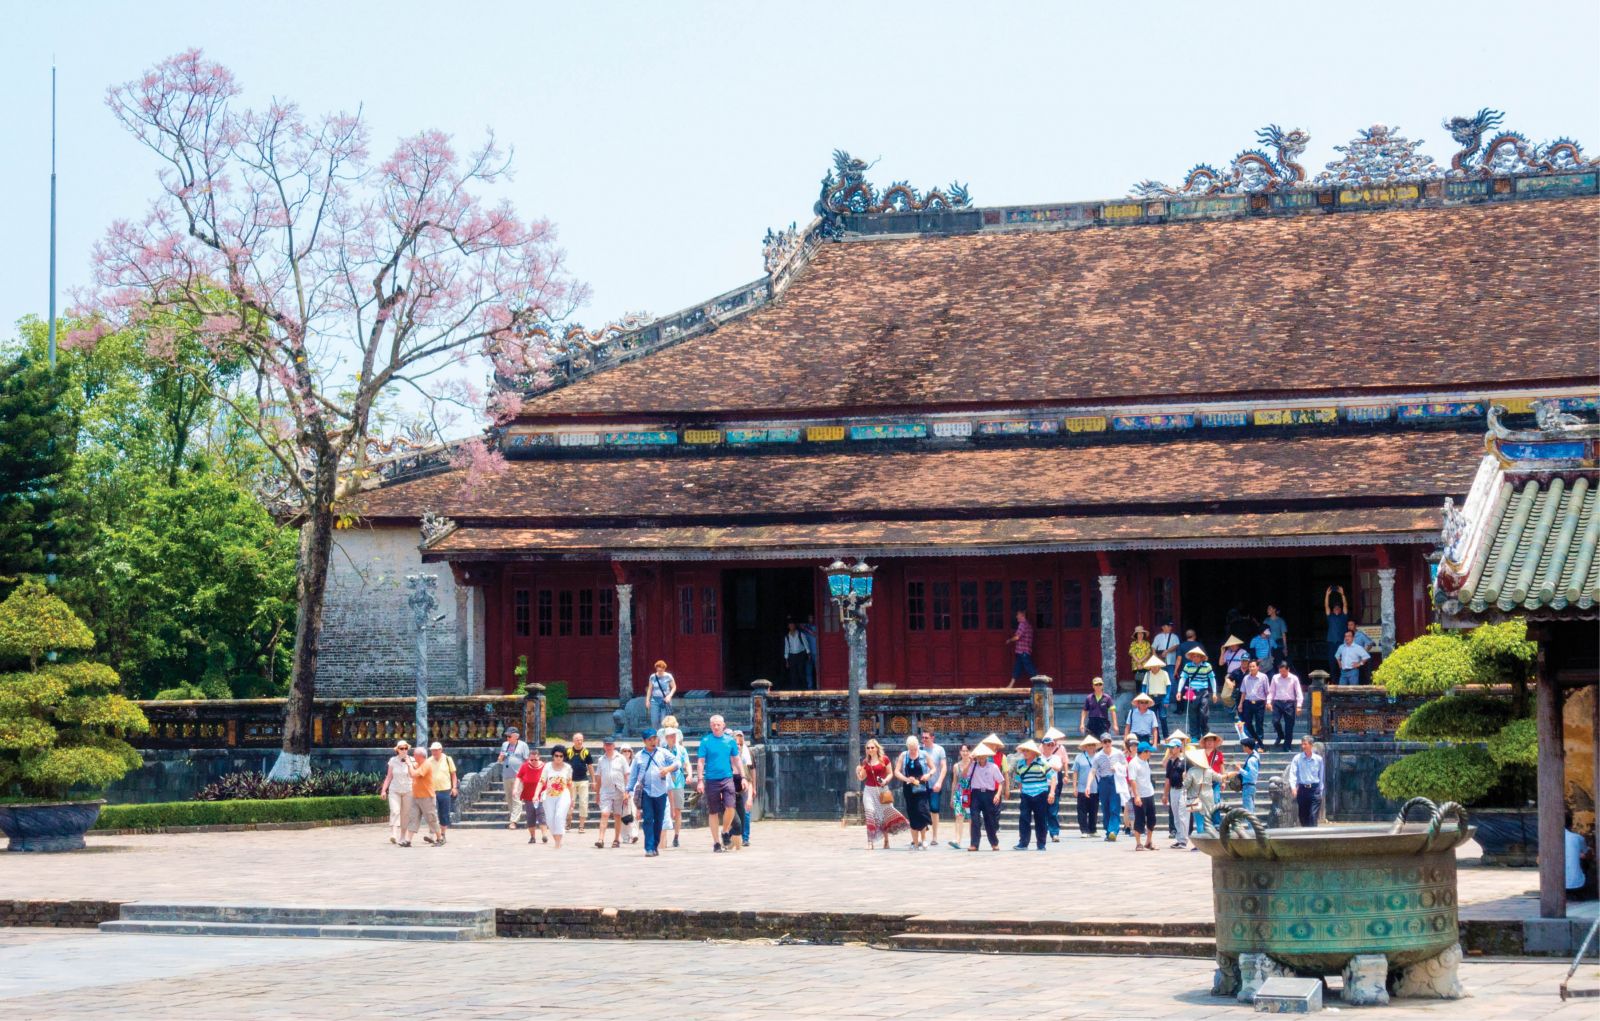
[(664, 138)]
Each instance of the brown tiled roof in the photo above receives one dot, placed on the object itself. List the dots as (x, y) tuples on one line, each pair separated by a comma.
[(1494, 294), (1373, 467), (1133, 531)]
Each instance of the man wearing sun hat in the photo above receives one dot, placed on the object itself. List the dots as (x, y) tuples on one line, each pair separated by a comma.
[(987, 783), (1037, 784), (1085, 784), (1055, 755), (1142, 722), (1196, 683), (1156, 682)]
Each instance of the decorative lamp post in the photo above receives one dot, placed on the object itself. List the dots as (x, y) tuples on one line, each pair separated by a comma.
[(423, 600), (850, 586)]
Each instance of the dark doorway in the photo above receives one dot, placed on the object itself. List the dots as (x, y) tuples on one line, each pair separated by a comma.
[(1216, 594), (759, 602)]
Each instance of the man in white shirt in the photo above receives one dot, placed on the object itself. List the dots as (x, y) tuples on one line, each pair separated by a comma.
[(796, 659), (1351, 656), (611, 777), (1305, 782), (1143, 791), (1166, 646), (938, 769)]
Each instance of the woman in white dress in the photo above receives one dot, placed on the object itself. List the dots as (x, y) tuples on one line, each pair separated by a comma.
[(555, 792)]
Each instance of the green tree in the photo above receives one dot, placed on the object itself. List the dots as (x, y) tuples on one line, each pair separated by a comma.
[(1478, 722), (41, 523), (61, 724)]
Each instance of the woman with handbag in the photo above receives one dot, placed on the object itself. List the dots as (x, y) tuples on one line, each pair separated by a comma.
[(877, 800), (961, 796), (912, 769)]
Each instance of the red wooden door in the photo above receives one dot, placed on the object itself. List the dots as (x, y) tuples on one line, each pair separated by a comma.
[(696, 615), (930, 619)]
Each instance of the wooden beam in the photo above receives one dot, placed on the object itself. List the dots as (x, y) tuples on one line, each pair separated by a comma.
[(1552, 793)]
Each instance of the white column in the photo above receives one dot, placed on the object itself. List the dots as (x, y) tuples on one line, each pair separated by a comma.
[(624, 643), (1386, 608), (1108, 632)]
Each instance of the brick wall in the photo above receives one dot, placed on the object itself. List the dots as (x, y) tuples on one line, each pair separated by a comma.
[(368, 640), (57, 914), (670, 923)]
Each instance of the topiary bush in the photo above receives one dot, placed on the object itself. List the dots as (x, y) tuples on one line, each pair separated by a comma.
[(61, 723), (1481, 677)]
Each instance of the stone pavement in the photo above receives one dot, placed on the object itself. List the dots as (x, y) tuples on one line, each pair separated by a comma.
[(792, 866), (57, 974)]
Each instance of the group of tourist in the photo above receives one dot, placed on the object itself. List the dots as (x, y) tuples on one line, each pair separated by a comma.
[(421, 786), (1113, 780)]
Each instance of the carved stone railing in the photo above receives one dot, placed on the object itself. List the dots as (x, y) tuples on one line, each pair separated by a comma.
[(338, 723), (954, 714), (1360, 712)]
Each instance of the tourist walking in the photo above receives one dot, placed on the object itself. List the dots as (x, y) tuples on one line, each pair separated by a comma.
[(660, 687), (1156, 684), (1174, 767), (673, 745), (611, 780), (396, 787), (1021, 642), (1105, 778), (555, 793), (1351, 656), (1305, 782), (1196, 683), (513, 753), (1099, 713), (877, 800), (1249, 774), (631, 826), (424, 806), (1055, 756), (987, 783), (1252, 704), (579, 759), (912, 770), (1199, 781), (650, 778), (1211, 745), (1119, 765), (446, 785), (961, 792), (719, 758), (1139, 650), (528, 777), (1085, 786), (939, 772), (796, 658), (1142, 722), (1283, 691), (1037, 782), (738, 835), (1143, 791)]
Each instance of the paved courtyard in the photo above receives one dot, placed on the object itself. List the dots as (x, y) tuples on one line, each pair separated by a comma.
[(53, 974), (796, 866)]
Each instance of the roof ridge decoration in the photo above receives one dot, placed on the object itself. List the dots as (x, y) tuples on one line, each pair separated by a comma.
[(846, 192), (1378, 155)]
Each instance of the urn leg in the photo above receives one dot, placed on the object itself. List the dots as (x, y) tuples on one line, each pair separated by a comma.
[(1437, 978), (1225, 980), (1254, 970), (1366, 980)]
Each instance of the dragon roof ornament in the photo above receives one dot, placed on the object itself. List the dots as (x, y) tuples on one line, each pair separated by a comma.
[(1379, 155), (846, 191), (570, 352)]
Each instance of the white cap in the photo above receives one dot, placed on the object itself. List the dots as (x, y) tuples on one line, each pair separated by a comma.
[(436, 746)]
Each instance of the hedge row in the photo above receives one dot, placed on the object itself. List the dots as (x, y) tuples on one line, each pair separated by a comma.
[(233, 813)]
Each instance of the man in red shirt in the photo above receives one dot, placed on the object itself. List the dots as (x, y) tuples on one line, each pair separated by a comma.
[(1022, 643)]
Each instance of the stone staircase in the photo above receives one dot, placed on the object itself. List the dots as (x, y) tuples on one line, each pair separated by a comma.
[(433, 924), (484, 807), (1111, 939)]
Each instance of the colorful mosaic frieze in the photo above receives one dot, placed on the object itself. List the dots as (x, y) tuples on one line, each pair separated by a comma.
[(1085, 424), (1019, 427), (1515, 405), (1579, 403), (1296, 416), (702, 436), (889, 431), (789, 434), (1224, 419), (523, 440), (1201, 209), (1293, 200), (824, 433), (1048, 214), (1568, 450), (1466, 189), (1565, 184), (1369, 413), (1441, 409), (1145, 423), (1122, 211), (1379, 196), (641, 438)]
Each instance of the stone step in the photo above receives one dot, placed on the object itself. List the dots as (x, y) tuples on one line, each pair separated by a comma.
[(455, 933), (1100, 946), (478, 919), (926, 925)]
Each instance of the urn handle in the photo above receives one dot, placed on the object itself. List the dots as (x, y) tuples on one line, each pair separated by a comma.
[(1405, 810), (1232, 818), (1447, 810)]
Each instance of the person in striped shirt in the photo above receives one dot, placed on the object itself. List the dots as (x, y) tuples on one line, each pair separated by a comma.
[(1022, 649), (1037, 781)]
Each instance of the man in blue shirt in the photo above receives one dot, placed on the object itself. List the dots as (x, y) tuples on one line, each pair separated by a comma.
[(1305, 782), (650, 778), (719, 757), (1249, 774), (1261, 648)]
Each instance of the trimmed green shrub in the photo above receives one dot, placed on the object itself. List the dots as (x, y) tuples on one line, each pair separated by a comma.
[(238, 813), (1464, 717), (61, 724), (1517, 744), (555, 699), (1427, 665), (186, 691), (1461, 773)]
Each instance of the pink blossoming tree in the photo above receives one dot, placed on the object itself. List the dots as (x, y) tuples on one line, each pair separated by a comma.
[(340, 280)]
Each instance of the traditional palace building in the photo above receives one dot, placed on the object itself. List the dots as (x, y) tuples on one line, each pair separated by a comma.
[(1234, 392)]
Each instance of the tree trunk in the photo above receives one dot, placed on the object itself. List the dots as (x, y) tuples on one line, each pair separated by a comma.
[(316, 552)]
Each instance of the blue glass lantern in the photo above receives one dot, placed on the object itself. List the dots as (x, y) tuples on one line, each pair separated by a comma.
[(838, 579), (861, 581)]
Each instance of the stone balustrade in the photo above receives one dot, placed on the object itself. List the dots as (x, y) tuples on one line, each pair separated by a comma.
[(340, 723)]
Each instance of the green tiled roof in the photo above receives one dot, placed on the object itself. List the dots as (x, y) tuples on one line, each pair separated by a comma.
[(1541, 551)]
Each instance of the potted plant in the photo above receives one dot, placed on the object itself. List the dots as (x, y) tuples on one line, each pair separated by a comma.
[(1484, 740), (61, 725)]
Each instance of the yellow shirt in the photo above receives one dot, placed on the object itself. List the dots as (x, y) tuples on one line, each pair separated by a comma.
[(1139, 652), (444, 770)]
